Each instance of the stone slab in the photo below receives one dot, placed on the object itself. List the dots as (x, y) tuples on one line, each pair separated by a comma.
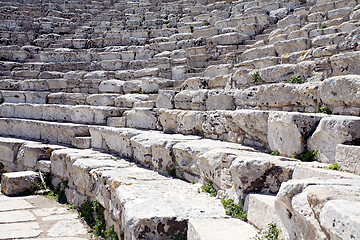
[(224, 229), (19, 230), (16, 216), (14, 204)]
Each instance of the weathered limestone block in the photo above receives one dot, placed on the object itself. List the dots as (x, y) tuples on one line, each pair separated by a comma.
[(347, 156), (220, 100), (165, 99), (260, 210), (111, 86), (17, 183), (101, 99), (332, 131), (83, 166), (289, 131), (9, 148), (190, 122), (260, 172), (82, 114), (142, 146), (30, 153), (128, 100), (82, 142), (340, 12), (178, 72), (279, 95), (195, 83), (214, 167), (141, 118), (260, 52), (115, 140), (220, 125), (276, 73), (192, 100), (187, 156), (340, 91), (51, 112), (240, 79), (229, 39), (133, 86), (319, 208), (329, 39), (168, 120), (216, 70), (167, 202), (225, 229), (293, 45), (254, 124)]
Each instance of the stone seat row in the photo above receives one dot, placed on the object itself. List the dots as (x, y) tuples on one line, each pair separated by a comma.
[(90, 173), (260, 129), (118, 184)]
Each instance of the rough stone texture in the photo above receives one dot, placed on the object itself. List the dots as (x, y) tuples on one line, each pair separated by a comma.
[(347, 156), (18, 182), (212, 229), (318, 209), (288, 132), (332, 131), (261, 211)]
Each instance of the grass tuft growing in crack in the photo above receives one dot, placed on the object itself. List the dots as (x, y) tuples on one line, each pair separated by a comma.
[(93, 215), (209, 188), (271, 234), (233, 209)]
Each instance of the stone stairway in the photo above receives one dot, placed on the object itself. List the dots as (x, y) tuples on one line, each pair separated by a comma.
[(204, 90)]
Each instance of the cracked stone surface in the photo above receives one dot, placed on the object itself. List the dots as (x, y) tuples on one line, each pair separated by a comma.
[(37, 217)]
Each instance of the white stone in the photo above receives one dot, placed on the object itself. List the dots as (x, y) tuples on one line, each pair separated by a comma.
[(288, 132), (214, 229), (332, 131), (67, 228)]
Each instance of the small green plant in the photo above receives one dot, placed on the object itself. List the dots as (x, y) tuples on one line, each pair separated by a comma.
[(233, 209), (271, 234), (16, 96), (169, 25), (256, 78), (209, 188), (206, 23), (297, 79), (93, 215), (322, 26), (275, 153), (171, 172), (192, 29), (323, 109), (306, 156), (334, 166), (14, 66), (197, 131), (140, 91), (178, 236)]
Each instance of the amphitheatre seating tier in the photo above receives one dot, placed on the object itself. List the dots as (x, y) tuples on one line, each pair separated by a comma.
[(132, 101)]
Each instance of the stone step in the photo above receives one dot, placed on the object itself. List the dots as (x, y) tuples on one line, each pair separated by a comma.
[(64, 113), (33, 97), (347, 156), (306, 97), (195, 159), (120, 185), (328, 202), (62, 133), (17, 183)]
